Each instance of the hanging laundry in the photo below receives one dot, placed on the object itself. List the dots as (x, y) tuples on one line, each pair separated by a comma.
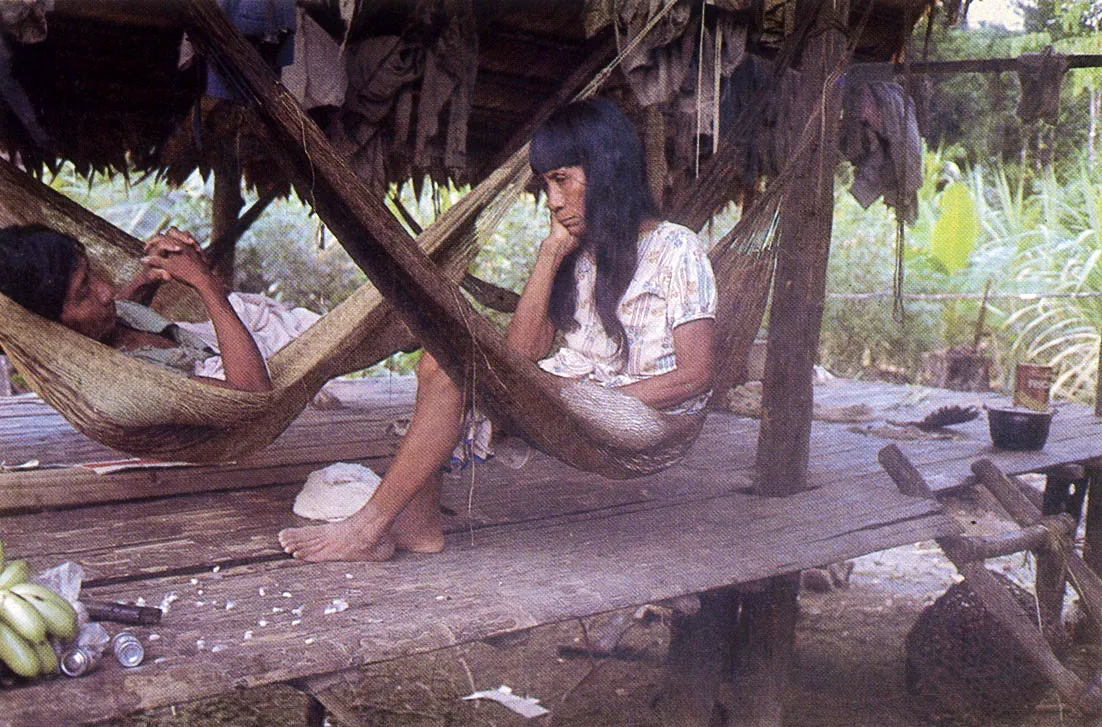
[(318, 76), (1041, 75), (24, 22), (381, 74), (270, 27), (880, 137), (451, 64)]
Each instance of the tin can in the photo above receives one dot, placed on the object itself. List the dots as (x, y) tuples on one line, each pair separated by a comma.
[(1031, 386), (78, 661), (128, 650)]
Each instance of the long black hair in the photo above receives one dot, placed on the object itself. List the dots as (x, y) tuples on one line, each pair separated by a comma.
[(36, 264), (595, 135)]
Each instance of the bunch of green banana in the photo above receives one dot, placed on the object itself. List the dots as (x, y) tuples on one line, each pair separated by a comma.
[(29, 615)]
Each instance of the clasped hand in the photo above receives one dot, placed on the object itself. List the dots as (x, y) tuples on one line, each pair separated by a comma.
[(176, 255)]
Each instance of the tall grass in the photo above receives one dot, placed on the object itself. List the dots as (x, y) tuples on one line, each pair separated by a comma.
[(1038, 234)]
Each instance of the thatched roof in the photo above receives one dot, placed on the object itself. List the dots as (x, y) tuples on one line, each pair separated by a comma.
[(106, 88)]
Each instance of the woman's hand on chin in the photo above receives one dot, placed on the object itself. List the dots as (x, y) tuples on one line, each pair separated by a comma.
[(559, 242)]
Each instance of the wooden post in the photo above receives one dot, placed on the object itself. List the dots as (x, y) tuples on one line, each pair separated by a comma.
[(1092, 538), (763, 653), (699, 659), (1098, 384), (768, 618), (226, 207), (1023, 512), (799, 283), (315, 712), (1051, 580)]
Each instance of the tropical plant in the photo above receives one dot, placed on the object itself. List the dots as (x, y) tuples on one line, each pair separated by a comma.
[(1063, 255)]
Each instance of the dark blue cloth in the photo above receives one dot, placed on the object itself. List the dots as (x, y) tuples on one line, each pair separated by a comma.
[(269, 25)]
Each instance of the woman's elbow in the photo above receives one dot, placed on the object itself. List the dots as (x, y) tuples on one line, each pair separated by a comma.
[(701, 379)]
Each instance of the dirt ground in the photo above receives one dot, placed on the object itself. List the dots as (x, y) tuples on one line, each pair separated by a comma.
[(847, 671)]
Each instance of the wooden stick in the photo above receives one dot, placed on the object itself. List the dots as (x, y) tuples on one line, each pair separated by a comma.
[(994, 596), (1034, 537), (975, 65), (1098, 384), (1083, 579)]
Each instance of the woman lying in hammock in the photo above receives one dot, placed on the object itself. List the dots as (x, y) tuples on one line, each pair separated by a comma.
[(634, 296), (48, 273)]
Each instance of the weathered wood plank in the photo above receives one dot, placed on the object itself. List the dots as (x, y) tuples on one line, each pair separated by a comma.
[(513, 577), (32, 431)]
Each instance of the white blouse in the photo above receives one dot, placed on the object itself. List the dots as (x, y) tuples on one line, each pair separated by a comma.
[(673, 284)]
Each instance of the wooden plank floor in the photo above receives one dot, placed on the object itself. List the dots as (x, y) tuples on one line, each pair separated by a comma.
[(527, 547)]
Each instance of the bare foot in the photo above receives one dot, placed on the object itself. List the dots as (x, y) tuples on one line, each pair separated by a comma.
[(346, 540)]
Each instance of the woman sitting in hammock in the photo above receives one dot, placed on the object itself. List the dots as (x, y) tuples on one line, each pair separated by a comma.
[(634, 296), (48, 273)]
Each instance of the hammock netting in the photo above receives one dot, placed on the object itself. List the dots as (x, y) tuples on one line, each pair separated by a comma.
[(142, 409)]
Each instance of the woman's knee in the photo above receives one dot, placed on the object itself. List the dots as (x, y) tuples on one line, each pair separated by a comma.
[(434, 382)]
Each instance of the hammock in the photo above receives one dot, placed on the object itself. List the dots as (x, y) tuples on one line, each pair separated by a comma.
[(138, 408), (145, 410)]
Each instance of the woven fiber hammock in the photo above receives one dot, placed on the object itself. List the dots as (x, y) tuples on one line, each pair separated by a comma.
[(140, 408)]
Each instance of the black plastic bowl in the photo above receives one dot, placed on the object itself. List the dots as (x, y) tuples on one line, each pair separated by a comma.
[(1019, 428)]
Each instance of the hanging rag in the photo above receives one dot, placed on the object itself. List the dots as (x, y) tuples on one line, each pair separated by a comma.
[(451, 64), (318, 76), (880, 138), (270, 27), (22, 21), (381, 74), (25, 20), (1041, 75)]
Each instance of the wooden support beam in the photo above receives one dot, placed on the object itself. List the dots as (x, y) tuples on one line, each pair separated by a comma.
[(229, 238), (973, 65), (763, 652), (1039, 537), (1087, 698), (1092, 537), (799, 281), (225, 208)]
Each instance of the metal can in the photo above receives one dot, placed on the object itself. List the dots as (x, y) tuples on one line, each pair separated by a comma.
[(1031, 386), (128, 650), (78, 661)]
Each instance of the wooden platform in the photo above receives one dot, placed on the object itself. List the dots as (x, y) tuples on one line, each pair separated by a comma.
[(535, 546)]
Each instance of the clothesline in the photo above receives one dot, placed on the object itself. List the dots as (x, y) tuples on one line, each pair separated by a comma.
[(875, 295)]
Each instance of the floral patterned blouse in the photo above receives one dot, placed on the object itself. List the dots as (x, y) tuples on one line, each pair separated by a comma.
[(673, 285)]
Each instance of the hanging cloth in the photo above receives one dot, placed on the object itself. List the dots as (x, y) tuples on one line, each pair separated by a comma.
[(1041, 75)]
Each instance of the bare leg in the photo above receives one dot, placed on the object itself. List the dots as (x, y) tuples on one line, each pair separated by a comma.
[(405, 509)]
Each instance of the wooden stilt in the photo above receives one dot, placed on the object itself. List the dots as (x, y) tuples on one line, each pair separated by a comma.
[(699, 658), (768, 619), (1051, 580), (767, 633), (315, 712), (1087, 698), (1092, 537), (226, 207)]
